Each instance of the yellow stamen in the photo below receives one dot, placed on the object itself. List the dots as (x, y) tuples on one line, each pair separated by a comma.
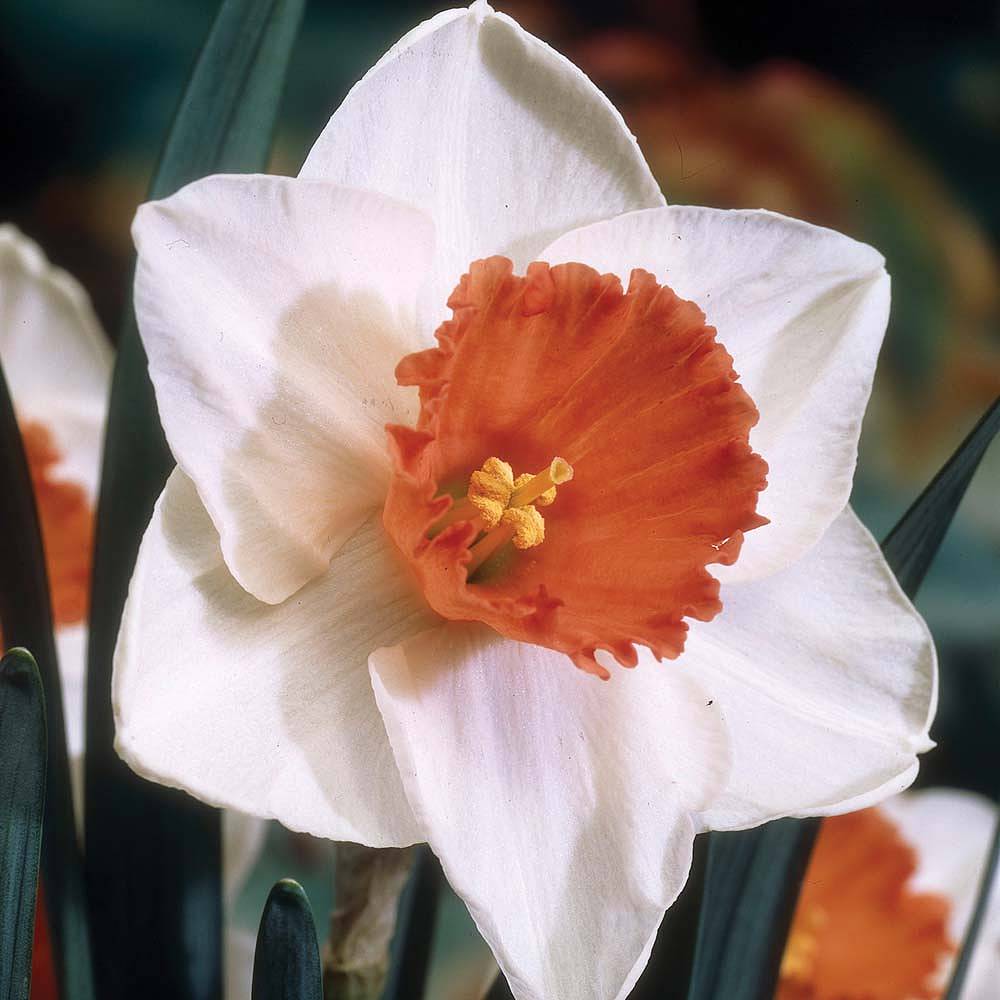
[(528, 525), (543, 499), (558, 472), (490, 489), (523, 526), (504, 506)]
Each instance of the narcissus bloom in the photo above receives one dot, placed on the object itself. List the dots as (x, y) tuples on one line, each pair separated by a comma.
[(375, 636), (887, 898), (57, 362)]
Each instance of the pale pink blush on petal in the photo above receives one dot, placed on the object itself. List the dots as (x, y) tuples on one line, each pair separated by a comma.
[(273, 311)]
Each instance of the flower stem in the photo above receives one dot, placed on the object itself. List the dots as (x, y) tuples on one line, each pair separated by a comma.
[(368, 883)]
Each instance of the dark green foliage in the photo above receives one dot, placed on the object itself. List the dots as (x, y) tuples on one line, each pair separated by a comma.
[(417, 911), (286, 962), (751, 887), (26, 619), (911, 546), (22, 802), (152, 853)]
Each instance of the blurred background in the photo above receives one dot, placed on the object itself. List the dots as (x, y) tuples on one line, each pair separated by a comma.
[(878, 119)]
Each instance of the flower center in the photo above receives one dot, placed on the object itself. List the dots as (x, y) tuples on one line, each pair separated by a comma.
[(798, 964), (631, 389), (505, 507)]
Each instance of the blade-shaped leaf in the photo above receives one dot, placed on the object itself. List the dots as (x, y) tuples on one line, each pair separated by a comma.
[(153, 854), (286, 960), (411, 951), (22, 803), (751, 888), (26, 618), (754, 876), (911, 546)]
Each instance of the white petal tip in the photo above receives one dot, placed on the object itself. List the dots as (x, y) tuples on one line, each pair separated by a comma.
[(480, 10)]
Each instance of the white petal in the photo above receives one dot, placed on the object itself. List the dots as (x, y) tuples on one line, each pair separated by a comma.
[(501, 140), (55, 357), (57, 362), (273, 312), (264, 709), (803, 311), (826, 680), (71, 651), (560, 807)]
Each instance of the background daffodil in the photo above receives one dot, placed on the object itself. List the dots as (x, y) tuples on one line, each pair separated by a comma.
[(58, 361), (888, 898)]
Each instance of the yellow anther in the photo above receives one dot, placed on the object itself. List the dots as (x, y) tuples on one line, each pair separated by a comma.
[(489, 510), (489, 490), (528, 526), (504, 506), (558, 472), (500, 470), (523, 526)]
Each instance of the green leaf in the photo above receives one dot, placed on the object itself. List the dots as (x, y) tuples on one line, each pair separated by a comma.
[(751, 888), (26, 617), (754, 876), (22, 803), (153, 854), (286, 961), (911, 546), (411, 950)]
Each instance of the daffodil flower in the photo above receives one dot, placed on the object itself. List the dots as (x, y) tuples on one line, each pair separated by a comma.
[(57, 362), (887, 899), (375, 635)]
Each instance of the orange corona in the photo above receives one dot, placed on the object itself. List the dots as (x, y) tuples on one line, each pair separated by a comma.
[(67, 526), (563, 375)]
